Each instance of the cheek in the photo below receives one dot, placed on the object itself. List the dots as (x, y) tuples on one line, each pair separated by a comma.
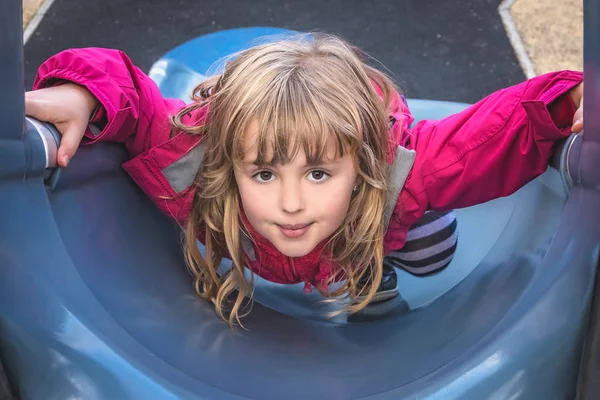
[(253, 201), (335, 207)]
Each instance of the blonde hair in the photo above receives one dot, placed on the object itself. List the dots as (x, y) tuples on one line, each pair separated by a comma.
[(301, 91)]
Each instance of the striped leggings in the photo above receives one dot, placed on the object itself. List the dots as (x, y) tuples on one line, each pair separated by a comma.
[(430, 245)]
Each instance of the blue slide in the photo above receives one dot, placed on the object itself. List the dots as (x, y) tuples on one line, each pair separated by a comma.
[(96, 302)]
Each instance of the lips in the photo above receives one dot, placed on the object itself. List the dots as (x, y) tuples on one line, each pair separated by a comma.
[(294, 231), (294, 227)]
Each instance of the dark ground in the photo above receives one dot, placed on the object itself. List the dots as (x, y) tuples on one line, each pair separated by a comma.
[(437, 49)]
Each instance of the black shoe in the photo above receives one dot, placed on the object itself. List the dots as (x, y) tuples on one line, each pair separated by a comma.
[(388, 289)]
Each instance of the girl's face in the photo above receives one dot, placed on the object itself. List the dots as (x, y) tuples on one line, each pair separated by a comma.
[(295, 206)]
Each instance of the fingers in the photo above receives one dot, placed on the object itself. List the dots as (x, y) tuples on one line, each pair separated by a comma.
[(577, 96), (66, 107), (69, 144), (577, 126), (34, 107)]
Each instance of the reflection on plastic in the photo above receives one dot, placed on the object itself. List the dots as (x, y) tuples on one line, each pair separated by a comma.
[(50, 139)]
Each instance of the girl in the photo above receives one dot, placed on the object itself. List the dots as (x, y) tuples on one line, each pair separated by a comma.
[(299, 161)]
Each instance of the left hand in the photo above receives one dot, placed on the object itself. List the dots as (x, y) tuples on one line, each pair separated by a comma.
[(577, 94)]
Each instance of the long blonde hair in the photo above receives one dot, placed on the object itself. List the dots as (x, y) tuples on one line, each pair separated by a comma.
[(301, 90)]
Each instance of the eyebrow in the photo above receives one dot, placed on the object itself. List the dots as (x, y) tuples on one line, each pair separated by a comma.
[(271, 163)]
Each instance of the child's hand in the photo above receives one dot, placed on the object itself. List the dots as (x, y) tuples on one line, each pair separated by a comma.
[(68, 107), (577, 94)]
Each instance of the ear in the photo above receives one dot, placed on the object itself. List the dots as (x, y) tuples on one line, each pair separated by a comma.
[(356, 186)]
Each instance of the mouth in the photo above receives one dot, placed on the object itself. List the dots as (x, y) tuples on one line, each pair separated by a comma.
[(294, 231)]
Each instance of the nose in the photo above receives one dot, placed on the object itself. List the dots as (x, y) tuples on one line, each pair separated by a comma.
[(292, 197)]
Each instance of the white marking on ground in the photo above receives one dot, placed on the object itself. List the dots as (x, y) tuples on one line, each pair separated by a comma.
[(35, 21), (515, 38)]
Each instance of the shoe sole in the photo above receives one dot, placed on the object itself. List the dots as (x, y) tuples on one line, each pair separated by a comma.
[(380, 296)]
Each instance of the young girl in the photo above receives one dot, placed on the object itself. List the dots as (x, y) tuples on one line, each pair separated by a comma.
[(299, 161)]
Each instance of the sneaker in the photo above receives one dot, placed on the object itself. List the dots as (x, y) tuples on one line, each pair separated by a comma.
[(388, 289)]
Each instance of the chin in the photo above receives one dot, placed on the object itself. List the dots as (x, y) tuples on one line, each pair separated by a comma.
[(292, 251)]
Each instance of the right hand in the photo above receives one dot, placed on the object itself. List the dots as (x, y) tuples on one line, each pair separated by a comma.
[(68, 107), (577, 95)]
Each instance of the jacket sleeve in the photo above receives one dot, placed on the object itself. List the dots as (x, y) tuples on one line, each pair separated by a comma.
[(132, 110), (489, 150)]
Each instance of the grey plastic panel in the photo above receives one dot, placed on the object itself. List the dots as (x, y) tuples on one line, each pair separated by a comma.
[(588, 176), (97, 303)]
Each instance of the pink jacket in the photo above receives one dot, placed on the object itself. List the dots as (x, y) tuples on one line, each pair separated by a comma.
[(487, 151)]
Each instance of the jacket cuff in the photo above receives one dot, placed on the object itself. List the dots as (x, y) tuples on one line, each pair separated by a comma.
[(554, 109)]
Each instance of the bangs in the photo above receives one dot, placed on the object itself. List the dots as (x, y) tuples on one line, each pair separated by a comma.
[(293, 116)]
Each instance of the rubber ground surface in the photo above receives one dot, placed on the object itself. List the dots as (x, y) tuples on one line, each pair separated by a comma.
[(437, 49)]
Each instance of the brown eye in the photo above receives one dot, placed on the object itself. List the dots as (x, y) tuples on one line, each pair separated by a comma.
[(263, 176), (318, 175)]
